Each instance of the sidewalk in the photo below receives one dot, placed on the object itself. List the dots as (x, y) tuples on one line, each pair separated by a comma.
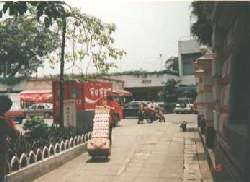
[(196, 168)]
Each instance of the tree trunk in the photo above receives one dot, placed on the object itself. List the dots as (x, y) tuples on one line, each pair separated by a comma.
[(62, 72)]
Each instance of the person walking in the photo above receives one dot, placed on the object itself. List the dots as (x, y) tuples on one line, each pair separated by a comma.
[(7, 130), (203, 124), (141, 114)]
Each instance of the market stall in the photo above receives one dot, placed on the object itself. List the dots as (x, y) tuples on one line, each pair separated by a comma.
[(29, 97)]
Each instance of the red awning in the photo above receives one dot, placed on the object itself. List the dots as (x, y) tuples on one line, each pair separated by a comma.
[(121, 92), (36, 96)]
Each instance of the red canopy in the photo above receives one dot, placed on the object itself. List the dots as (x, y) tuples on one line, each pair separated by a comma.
[(36, 96), (121, 92)]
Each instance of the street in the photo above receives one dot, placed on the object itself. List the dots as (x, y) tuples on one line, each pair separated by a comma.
[(154, 152)]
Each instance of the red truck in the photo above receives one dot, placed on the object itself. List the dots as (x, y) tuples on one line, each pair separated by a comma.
[(86, 96)]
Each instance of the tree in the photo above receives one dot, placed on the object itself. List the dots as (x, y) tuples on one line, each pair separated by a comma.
[(88, 39), (170, 90), (100, 39), (24, 44), (170, 86), (172, 64), (202, 28), (50, 10)]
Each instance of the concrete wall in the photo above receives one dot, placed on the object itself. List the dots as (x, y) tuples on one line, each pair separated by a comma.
[(18, 87), (187, 47), (187, 80), (39, 85), (144, 80), (28, 85)]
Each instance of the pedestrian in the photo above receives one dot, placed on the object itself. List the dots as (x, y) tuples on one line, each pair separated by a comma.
[(203, 124), (199, 120), (114, 116), (141, 114), (184, 126), (7, 130)]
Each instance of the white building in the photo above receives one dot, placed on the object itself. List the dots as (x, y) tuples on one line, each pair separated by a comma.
[(145, 85), (188, 52)]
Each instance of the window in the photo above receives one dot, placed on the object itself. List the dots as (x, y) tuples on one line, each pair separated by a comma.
[(74, 93), (146, 81), (40, 107), (187, 62)]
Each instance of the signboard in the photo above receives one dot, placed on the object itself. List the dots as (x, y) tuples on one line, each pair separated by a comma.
[(94, 92), (69, 113)]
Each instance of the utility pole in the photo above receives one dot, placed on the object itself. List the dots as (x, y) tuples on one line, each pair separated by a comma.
[(161, 62), (62, 71)]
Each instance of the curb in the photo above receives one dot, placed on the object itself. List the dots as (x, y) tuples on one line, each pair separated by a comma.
[(40, 168), (205, 168), (209, 155)]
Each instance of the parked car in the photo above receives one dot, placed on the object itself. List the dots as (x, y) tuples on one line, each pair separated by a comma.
[(183, 108), (131, 109), (184, 105), (41, 109)]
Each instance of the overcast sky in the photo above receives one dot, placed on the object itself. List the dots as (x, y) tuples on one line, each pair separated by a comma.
[(145, 28)]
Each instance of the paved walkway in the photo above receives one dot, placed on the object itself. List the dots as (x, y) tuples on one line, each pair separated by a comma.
[(157, 152)]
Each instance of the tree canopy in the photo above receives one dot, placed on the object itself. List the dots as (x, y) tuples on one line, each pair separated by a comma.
[(50, 10), (90, 40), (87, 38), (171, 64), (24, 44), (202, 28)]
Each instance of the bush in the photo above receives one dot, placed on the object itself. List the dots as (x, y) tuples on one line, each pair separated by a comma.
[(37, 127)]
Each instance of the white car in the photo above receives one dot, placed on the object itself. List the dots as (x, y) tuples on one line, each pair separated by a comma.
[(182, 108), (42, 106), (41, 109)]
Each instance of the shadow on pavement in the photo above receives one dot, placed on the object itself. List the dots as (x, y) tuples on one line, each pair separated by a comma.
[(199, 157), (190, 129), (98, 160)]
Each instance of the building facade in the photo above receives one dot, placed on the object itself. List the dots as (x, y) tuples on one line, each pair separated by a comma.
[(230, 98), (188, 51), (145, 85)]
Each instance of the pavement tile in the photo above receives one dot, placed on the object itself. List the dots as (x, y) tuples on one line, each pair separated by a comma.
[(146, 179), (147, 153), (170, 179), (124, 179)]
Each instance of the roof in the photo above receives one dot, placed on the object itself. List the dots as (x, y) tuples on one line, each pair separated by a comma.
[(35, 91)]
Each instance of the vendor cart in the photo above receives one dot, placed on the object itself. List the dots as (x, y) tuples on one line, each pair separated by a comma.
[(99, 145)]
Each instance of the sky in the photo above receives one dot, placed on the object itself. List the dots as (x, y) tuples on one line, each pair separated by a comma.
[(145, 29)]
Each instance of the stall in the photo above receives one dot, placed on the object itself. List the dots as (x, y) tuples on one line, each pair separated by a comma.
[(29, 97)]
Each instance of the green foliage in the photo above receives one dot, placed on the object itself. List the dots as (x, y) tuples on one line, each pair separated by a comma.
[(170, 90), (12, 80), (37, 127), (171, 64), (170, 86), (24, 44), (50, 10), (202, 28), (90, 40)]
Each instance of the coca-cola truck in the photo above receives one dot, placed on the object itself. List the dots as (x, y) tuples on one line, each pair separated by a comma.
[(85, 96)]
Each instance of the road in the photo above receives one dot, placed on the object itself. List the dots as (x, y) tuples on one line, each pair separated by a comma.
[(140, 153)]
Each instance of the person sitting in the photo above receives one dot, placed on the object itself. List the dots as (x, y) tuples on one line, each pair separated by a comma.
[(7, 129), (184, 126)]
